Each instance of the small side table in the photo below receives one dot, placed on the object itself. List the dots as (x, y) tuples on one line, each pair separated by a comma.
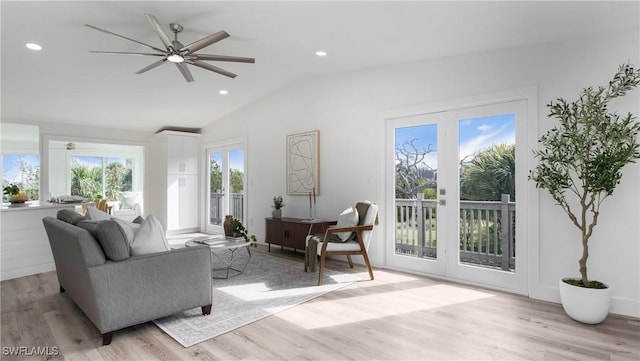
[(226, 252)]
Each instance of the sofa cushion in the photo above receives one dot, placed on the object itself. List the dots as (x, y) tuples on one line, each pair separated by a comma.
[(150, 238), (111, 238), (69, 216), (130, 228), (95, 214)]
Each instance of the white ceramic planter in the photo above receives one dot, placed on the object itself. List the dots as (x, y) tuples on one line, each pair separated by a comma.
[(586, 305)]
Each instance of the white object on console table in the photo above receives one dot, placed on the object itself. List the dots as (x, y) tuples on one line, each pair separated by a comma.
[(24, 245)]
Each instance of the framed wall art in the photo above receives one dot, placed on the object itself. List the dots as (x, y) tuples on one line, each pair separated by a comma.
[(303, 163)]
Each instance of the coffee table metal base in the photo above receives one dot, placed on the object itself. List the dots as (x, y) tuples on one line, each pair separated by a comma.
[(232, 260), (227, 257)]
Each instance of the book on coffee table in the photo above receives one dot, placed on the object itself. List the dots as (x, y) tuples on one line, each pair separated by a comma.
[(209, 240), (217, 239)]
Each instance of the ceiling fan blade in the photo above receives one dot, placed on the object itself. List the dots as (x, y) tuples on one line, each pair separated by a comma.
[(206, 41), (151, 66), (185, 72), (161, 33), (237, 59), (125, 38), (124, 53), (215, 69)]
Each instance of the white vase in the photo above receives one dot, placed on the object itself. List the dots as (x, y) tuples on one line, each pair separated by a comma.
[(276, 213), (586, 305)]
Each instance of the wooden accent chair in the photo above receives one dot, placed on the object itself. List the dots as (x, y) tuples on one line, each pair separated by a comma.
[(102, 205), (356, 245)]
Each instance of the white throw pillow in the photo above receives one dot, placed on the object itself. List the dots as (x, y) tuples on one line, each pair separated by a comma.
[(348, 218), (95, 214), (150, 238), (130, 229)]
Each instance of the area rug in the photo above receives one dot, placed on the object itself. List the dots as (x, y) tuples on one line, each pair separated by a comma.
[(268, 285)]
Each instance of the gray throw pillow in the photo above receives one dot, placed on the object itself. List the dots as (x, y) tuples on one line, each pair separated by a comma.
[(69, 216), (111, 237)]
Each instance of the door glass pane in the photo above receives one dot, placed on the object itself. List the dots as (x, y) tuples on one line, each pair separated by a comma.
[(215, 189), (416, 175), (236, 183), (487, 191)]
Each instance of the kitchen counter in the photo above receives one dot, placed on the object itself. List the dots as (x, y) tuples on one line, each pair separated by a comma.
[(31, 205), (24, 243)]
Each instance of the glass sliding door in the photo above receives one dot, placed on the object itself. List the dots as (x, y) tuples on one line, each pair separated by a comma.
[(226, 185)]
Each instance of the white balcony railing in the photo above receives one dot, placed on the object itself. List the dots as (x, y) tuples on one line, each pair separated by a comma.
[(486, 228), (487, 231)]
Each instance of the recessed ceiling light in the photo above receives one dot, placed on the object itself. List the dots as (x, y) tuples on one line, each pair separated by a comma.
[(321, 53), (223, 92), (33, 46)]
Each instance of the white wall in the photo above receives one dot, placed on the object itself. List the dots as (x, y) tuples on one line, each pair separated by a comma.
[(347, 109)]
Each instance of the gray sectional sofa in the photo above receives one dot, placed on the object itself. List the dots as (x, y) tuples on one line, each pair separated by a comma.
[(118, 294)]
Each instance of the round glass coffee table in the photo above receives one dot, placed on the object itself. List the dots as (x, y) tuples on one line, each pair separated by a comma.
[(227, 257)]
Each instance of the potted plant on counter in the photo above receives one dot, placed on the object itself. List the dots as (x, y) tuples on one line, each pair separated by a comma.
[(580, 162), (277, 207), (14, 195)]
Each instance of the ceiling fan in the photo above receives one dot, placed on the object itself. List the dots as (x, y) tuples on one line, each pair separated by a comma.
[(177, 53)]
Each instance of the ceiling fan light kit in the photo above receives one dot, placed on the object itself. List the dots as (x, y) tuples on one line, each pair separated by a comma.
[(177, 53)]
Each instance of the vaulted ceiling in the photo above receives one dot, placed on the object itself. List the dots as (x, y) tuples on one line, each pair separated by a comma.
[(65, 83)]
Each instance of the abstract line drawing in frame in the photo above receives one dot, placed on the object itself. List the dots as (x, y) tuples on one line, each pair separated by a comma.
[(303, 163)]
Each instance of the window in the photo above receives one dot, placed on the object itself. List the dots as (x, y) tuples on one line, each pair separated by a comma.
[(91, 169), (20, 157), (106, 177), (24, 171)]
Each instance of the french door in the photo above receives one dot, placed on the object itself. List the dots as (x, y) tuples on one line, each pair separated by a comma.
[(452, 190), (225, 185)]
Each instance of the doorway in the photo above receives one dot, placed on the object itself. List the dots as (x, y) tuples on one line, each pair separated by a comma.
[(452, 189), (226, 182)]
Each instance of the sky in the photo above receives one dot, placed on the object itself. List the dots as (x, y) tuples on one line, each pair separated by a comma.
[(91, 162), (475, 135), (11, 168), (236, 159)]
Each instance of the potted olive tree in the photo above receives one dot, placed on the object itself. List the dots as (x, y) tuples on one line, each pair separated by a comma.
[(580, 162)]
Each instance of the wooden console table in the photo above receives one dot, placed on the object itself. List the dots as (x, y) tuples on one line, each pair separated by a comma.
[(292, 232)]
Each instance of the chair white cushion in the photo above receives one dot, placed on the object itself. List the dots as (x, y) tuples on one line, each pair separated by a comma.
[(348, 218), (129, 199), (337, 246)]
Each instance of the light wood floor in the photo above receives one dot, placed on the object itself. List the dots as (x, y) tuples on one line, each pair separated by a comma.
[(395, 317)]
